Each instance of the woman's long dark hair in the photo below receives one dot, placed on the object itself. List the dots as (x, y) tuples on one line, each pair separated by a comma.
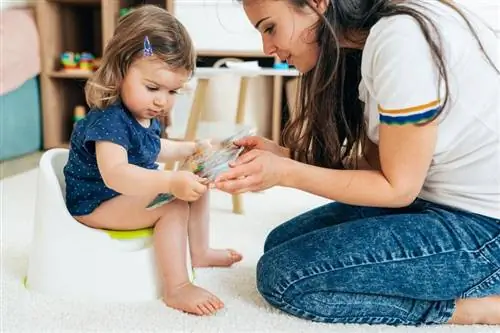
[(328, 125)]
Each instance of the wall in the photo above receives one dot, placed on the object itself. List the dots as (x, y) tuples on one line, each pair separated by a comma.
[(223, 25), (8, 4)]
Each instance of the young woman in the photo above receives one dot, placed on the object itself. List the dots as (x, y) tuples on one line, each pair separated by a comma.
[(397, 122)]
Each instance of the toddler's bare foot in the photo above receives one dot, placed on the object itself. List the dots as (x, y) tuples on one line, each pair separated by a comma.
[(477, 311), (193, 299), (216, 258)]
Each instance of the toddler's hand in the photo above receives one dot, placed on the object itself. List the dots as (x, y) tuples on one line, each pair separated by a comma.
[(187, 186)]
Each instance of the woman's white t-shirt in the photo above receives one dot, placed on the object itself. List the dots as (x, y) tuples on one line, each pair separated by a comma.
[(400, 84)]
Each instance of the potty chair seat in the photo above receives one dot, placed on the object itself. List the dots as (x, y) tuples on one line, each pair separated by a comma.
[(73, 261)]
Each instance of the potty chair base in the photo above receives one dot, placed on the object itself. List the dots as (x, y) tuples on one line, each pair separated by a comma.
[(72, 261)]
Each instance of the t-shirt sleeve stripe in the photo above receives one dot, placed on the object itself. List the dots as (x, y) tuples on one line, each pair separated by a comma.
[(411, 115)]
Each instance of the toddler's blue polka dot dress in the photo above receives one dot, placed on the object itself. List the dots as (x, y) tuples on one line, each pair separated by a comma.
[(85, 188)]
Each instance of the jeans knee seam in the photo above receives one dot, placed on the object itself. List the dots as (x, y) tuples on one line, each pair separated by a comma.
[(495, 276), (484, 246), (348, 319), (366, 303)]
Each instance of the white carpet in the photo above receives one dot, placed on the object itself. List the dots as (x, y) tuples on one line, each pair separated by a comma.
[(23, 311)]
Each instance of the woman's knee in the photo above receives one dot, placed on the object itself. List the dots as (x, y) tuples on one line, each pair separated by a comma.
[(273, 239), (267, 279)]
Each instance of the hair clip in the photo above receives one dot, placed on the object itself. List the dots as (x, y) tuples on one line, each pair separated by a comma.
[(148, 50)]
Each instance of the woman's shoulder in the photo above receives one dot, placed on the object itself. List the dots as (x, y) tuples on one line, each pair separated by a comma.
[(440, 21), (398, 29), (397, 38)]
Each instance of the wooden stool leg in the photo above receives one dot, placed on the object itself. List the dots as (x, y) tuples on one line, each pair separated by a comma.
[(240, 119), (196, 109), (242, 100), (237, 204), (194, 115)]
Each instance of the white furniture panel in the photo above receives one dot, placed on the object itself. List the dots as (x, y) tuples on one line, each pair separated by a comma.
[(218, 25)]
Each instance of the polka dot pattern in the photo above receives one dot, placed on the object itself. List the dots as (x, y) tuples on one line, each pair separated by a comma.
[(85, 188)]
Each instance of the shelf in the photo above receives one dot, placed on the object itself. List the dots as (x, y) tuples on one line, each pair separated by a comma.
[(231, 53), (71, 29), (78, 2), (70, 75)]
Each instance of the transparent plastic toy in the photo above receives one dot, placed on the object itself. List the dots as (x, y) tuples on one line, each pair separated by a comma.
[(207, 162)]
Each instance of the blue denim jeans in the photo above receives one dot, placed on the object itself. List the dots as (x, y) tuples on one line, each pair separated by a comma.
[(407, 266)]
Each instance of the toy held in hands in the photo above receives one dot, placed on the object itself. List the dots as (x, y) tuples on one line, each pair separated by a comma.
[(207, 162)]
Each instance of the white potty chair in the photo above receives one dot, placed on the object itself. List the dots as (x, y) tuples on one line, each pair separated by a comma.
[(73, 261)]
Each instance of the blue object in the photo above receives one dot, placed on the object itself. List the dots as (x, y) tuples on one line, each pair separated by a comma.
[(340, 263), (20, 121), (281, 65), (85, 188), (148, 49)]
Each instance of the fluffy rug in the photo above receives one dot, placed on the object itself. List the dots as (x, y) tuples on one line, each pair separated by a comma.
[(246, 311)]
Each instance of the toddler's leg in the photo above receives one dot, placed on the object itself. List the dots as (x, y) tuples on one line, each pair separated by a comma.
[(199, 231), (170, 221), (124, 213), (170, 243)]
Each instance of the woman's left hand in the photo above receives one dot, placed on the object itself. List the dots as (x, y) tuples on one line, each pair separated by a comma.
[(253, 171)]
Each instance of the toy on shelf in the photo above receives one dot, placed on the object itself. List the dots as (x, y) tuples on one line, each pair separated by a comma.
[(124, 11), (78, 113), (208, 162), (87, 61), (70, 60), (82, 62)]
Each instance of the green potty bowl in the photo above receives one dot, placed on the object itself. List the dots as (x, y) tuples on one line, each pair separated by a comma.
[(130, 234), (138, 234)]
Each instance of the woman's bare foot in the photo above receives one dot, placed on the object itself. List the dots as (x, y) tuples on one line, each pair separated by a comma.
[(472, 311), (216, 258), (192, 299)]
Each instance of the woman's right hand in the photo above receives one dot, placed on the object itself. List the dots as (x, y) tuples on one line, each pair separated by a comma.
[(260, 143), (187, 186)]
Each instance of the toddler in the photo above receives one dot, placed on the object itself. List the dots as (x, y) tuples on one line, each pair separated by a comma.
[(112, 175)]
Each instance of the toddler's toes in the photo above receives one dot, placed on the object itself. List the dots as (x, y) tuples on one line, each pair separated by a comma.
[(204, 310), (235, 256), (216, 302)]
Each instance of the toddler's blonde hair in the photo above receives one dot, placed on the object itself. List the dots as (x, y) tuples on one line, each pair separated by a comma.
[(170, 42)]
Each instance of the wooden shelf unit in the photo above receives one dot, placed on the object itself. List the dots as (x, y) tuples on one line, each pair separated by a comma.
[(87, 26), (75, 26)]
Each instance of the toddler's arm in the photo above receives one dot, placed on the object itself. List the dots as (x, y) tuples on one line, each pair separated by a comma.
[(127, 178), (175, 150)]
